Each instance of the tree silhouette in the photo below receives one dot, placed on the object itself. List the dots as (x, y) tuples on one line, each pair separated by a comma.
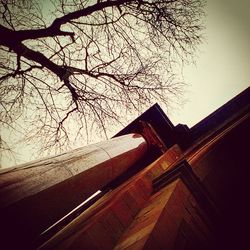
[(85, 63)]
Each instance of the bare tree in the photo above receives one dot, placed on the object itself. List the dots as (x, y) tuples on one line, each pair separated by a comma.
[(82, 64)]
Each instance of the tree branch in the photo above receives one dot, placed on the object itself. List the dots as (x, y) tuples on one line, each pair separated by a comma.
[(55, 28)]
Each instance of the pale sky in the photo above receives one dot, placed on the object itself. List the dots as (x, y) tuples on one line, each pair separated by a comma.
[(222, 67), (223, 64)]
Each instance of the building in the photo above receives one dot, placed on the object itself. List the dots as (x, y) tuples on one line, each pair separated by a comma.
[(155, 186)]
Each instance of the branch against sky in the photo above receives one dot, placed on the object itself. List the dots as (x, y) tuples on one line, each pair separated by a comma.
[(85, 63)]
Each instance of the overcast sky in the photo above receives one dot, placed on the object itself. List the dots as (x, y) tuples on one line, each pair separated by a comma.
[(223, 64), (222, 67)]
